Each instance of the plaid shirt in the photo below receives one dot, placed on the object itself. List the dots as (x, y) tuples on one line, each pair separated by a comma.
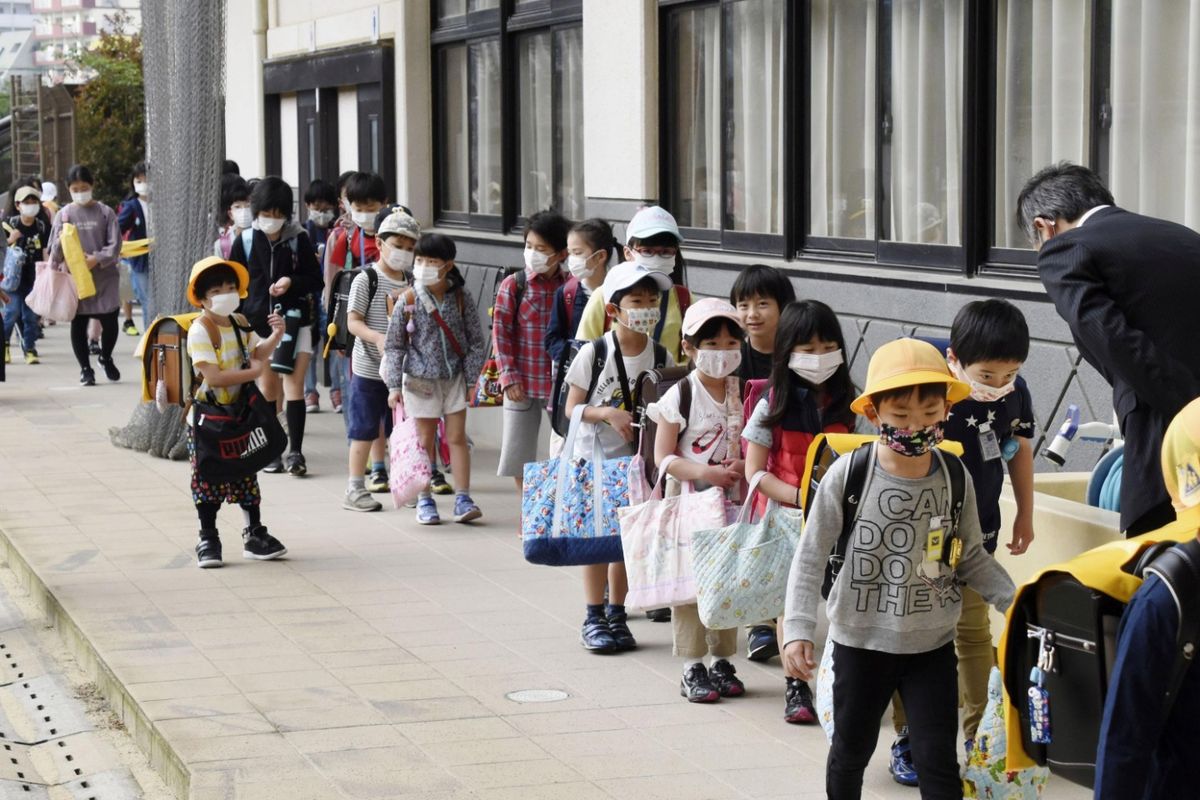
[(520, 334)]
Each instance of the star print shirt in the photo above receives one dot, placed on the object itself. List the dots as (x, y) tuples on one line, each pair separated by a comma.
[(1009, 417), (879, 600)]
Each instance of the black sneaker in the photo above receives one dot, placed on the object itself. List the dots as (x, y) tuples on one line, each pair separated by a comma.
[(274, 467), (697, 687), (798, 703), (724, 677), (761, 643), (596, 636), (87, 376), (296, 465), (110, 369), (377, 481), (259, 545), (94, 347), (439, 485), (208, 551), (659, 615), (618, 626)]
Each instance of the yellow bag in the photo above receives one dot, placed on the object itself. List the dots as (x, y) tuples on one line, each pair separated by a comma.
[(76, 261), (135, 247)]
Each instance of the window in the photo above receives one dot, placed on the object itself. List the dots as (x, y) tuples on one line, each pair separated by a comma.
[(550, 110), (724, 172)]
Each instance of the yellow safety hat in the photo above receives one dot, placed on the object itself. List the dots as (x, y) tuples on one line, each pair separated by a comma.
[(908, 362), (1181, 461), (208, 263)]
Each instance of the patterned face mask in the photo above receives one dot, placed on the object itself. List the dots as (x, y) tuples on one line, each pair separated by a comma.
[(641, 320), (909, 442)]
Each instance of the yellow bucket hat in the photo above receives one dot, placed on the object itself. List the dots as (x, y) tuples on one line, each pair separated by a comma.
[(908, 362), (1181, 461), (208, 263)]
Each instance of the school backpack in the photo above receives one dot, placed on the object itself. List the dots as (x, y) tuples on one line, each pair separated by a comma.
[(339, 315), (1065, 623), (826, 448), (629, 400), (168, 376), (652, 386)]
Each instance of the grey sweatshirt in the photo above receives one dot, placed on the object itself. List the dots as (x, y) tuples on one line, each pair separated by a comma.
[(878, 601), (101, 237)]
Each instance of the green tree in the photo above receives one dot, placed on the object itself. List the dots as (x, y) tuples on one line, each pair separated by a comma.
[(110, 109)]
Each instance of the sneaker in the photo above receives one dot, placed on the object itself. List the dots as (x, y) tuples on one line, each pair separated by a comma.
[(377, 481), (274, 467), (258, 545), (596, 636), (94, 347), (87, 376), (465, 509), (438, 484), (208, 552), (110, 369), (904, 772), (761, 643), (427, 513), (697, 687), (32, 357), (618, 625), (130, 329), (798, 703), (360, 500), (312, 402), (335, 400), (296, 465), (659, 615), (724, 677)]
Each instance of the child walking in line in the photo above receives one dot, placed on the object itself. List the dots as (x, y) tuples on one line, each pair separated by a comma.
[(706, 448), (133, 218), (434, 350), (235, 215), (217, 352), (810, 393), (24, 228), (634, 293), (893, 629)]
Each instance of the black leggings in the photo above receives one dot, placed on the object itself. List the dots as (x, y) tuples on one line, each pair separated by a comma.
[(208, 515), (79, 340)]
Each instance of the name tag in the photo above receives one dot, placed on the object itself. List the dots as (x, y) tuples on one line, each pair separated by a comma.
[(989, 445)]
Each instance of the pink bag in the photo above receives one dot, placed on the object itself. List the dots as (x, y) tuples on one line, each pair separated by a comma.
[(656, 537), (410, 467), (53, 295)]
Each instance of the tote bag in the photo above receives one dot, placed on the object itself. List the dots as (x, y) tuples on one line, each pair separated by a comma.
[(569, 505), (410, 467), (742, 569), (53, 295), (656, 538)]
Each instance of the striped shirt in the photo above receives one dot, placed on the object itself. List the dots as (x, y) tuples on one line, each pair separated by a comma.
[(201, 351), (365, 363)]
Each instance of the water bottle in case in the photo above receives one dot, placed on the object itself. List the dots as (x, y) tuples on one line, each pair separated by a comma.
[(284, 358)]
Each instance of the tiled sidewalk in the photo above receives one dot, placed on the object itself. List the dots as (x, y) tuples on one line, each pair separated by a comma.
[(375, 661)]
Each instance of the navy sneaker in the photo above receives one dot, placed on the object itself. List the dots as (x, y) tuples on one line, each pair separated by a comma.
[(761, 643), (724, 677), (596, 636), (618, 626), (798, 703), (904, 772), (697, 686)]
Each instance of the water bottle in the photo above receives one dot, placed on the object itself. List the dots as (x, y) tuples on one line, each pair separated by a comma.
[(284, 358)]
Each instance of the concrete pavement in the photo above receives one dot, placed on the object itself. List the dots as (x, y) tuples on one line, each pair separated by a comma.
[(378, 660)]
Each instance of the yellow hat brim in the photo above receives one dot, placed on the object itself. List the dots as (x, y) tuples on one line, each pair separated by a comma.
[(200, 267), (956, 390)]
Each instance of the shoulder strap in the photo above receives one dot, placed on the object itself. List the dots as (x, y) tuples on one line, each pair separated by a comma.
[(660, 354), (521, 282), (663, 305), (685, 397), (432, 308), (570, 291), (958, 487), (214, 333), (599, 356), (685, 298), (856, 480), (372, 286), (1179, 569), (623, 377)]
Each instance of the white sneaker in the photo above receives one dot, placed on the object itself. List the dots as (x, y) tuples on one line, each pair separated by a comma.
[(360, 500)]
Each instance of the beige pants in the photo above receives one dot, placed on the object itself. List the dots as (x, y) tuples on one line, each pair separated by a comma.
[(973, 641), (693, 640)]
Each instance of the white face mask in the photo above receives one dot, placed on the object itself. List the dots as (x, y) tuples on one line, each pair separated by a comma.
[(29, 210), (142, 188), (321, 218), (426, 274), (641, 320), (718, 363), (815, 368), (399, 260), (981, 391), (663, 264), (364, 220), (269, 225), (81, 198), (538, 262), (578, 265), (224, 304), (242, 216)]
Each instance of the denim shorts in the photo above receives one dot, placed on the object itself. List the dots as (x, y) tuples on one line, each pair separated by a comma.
[(366, 409)]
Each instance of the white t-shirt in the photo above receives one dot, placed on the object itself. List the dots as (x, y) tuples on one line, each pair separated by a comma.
[(710, 426), (608, 392)]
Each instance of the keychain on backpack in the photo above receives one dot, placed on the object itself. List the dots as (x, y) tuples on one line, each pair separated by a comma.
[(1039, 697)]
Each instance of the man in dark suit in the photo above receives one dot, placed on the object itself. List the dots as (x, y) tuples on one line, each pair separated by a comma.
[(1127, 285)]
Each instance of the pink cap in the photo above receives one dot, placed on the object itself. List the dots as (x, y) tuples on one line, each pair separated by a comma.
[(702, 311)]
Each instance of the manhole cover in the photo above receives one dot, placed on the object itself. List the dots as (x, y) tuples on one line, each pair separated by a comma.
[(537, 696)]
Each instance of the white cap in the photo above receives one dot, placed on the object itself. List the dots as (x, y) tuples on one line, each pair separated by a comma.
[(649, 221), (49, 190), (628, 273)]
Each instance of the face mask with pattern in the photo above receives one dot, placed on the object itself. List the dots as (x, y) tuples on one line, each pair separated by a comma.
[(911, 442)]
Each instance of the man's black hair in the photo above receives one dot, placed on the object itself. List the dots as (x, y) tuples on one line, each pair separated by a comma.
[(551, 227), (79, 173), (366, 187), (435, 245), (230, 167), (646, 284), (1063, 190), (272, 193), (319, 191), (215, 276), (714, 328), (989, 330), (925, 392), (759, 280)]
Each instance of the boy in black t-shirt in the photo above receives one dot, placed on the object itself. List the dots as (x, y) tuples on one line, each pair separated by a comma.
[(26, 230), (759, 294)]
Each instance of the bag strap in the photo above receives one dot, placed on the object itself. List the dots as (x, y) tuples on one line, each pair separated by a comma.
[(663, 305), (856, 479), (685, 397), (431, 307), (1179, 568), (570, 292), (622, 376)]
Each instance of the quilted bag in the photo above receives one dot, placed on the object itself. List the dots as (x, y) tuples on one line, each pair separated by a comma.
[(53, 295), (410, 468), (741, 569), (656, 537), (569, 505), (986, 774)]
